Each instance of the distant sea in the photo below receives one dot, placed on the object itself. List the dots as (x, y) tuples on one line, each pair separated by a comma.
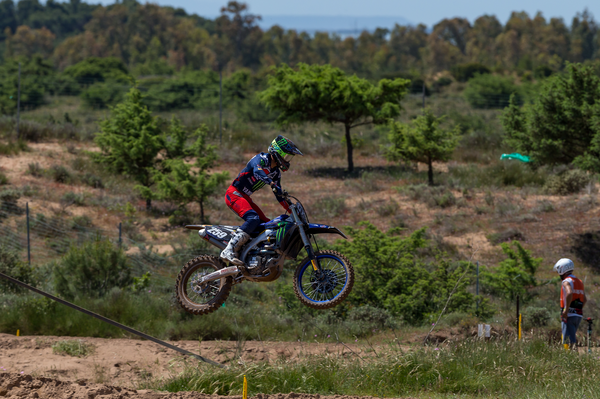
[(342, 25)]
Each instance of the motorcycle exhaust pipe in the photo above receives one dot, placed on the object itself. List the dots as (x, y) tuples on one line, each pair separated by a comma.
[(226, 272)]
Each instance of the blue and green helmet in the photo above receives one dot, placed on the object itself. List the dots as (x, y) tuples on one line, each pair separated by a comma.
[(283, 150)]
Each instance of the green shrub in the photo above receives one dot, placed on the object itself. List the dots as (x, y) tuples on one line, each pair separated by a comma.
[(388, 208), (73, 347), (81, 223), (536, 317), (35, 170), (433, 196), (70, 198), (98, 69), (370, 317), (103, 95), (464, 72), (567, 182), (329, 207), (92, 180), (391, 272), (506, 236), (60, 174), (441, 83), (3, 179), (11, 265), (8, 202), (491, 91), (92, 269), (13, 147)]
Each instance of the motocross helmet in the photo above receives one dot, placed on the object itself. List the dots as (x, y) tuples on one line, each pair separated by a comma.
[(283, 150)]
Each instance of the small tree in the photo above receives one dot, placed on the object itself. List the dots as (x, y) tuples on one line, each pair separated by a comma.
[(313, 93), (423, 141), (562, 125), (130, 142), (182, 182)]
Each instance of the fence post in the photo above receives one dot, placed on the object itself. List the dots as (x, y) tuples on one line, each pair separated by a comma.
[(423, 94), (19, 102), (28, 240), (518, 318), (120, 239), (220, 106), (477, 289)]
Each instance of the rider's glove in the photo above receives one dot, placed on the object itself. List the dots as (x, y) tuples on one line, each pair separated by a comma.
[(277, 190)]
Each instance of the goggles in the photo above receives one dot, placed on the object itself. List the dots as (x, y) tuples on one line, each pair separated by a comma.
[(288, 157)]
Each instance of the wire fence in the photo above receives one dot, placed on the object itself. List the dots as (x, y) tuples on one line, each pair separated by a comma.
[(40, 238)]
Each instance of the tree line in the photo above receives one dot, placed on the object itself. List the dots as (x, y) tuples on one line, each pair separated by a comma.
[(155, 40)]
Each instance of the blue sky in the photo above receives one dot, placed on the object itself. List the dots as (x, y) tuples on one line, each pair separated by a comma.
[(416, 11)]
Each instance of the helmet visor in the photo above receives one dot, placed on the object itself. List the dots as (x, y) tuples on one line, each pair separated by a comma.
[(288, 157)]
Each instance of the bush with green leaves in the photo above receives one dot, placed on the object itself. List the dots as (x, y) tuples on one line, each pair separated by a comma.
[(13, 266), (567, 182), (536, 317), (491, 91), (103, 95), (394, 273), (464, 72), (514, 276), (92, 270), (198, 89), (98, 69)]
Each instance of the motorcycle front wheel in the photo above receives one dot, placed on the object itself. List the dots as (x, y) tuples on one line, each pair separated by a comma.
[(204, 298), (328, 287)]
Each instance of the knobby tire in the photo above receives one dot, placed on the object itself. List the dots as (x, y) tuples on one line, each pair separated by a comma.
[(340, 297), (182, 286)]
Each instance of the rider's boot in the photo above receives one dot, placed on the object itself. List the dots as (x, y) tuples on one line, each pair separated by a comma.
[(230, 253)]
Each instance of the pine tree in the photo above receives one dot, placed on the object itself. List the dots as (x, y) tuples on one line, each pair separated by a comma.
[(423, 141), (130, 141), (182, 182)]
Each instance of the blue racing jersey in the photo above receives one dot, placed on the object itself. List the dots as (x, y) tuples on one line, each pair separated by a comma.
[(257, 174)]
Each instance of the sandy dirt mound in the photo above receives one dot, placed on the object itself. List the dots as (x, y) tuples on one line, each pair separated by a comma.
[(26, 386)]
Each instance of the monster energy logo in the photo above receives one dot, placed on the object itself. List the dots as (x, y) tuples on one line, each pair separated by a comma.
[(281, 231), (258, 185)]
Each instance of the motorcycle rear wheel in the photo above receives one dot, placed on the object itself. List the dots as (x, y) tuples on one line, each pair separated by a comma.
[(328, 289), (205, 299)]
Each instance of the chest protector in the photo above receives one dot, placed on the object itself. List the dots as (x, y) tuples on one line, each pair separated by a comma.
[(576, 306)]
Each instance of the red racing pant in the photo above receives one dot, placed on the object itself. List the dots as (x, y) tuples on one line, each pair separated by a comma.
[(241, 203)]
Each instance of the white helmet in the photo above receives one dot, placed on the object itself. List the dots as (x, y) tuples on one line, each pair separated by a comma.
[(563, 266)]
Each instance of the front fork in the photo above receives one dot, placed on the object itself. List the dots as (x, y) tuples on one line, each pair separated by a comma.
[(307, 245)]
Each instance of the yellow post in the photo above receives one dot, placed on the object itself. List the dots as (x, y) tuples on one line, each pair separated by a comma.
[(18, 333), (520, 326), (245, 392)]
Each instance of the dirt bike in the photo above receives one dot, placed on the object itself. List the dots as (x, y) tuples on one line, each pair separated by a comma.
[(322, 280)]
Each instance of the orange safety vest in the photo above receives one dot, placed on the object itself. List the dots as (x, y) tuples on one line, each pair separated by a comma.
[(576, 306)]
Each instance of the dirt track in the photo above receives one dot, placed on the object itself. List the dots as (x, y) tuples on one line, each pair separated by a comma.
[(26, 386), (30, 369), (127, 362)]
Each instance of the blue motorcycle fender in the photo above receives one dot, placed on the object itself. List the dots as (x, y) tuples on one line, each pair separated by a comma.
[(324, 229)]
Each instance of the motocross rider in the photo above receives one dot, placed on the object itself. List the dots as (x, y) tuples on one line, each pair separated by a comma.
[(262, 169)]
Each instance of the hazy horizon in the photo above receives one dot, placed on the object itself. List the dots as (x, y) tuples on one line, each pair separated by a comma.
[(428, 12)]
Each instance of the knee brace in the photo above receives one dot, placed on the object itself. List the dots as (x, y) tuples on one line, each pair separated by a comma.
[(252, 221)]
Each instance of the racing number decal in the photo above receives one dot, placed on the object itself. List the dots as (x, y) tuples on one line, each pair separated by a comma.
[(217, 233)]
